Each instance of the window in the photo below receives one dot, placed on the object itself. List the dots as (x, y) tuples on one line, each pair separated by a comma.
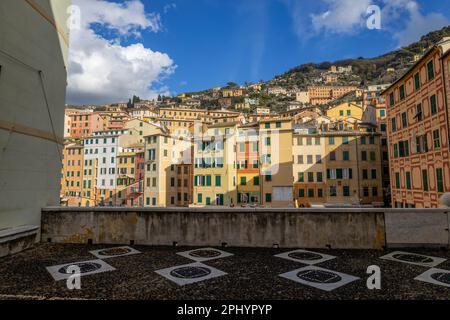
[(395, 150), (319, 177), (318, 159), (404, 120), (391, 99), (439, 180), (365, 191), (397, 180), (419, 114), (310, 176), (301, 177), (374, 174), (349, 112), (408, 180), (373, 156), (339, 174), (317, 141), (331, 140), (319, 193), (364, 155), (153, 201), (403, 147), (243, 181), (277, 124), (332, 155), (267, 125), (333, 191), (374, 191), (430, 70), (255, 164), (301, 193), (365, 175), (436, 139), (417, 81), (310, 193), (268, 197), (394, 124), (402, 92), (341, 113), (300, 141), (267, 141), (346, 191), (363, 140), (309, 159), (199, 198), (309, 141), (218, 181), (425, 180), (256, 181), (242, 147), (208, 180), (346, 155), (268, 177), (344, 140), (382, 113), (433, 108)]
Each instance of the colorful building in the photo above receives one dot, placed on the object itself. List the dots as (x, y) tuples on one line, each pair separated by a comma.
[(418, 131)]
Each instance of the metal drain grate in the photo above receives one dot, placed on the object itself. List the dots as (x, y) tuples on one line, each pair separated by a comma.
[(442, 277), (60, 272), (190, 272), (114, 252), (319, 276), (302, 255), (306, 257), (412, 258), (436, 276), (205, 253), (85, 267)]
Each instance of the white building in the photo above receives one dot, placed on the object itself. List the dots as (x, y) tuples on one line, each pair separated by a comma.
[(103, 148)]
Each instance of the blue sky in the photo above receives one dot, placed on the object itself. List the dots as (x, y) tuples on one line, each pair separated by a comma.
[(206, 43)]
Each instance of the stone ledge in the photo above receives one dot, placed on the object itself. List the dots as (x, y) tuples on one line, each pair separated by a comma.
[(14, 240)]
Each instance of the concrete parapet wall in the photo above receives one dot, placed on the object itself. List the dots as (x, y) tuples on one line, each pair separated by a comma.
[(202, 227), (355, 228)]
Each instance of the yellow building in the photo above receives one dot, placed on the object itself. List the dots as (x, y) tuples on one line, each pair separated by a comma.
[(344, 111), (353, 168), (308, 150), (275, 150), (215, 173), (126, 175), (165, 183), (248, 175)]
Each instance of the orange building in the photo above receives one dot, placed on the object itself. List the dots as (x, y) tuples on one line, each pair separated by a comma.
[(325, 94), (81, 123), (72, 175), (418, 131)]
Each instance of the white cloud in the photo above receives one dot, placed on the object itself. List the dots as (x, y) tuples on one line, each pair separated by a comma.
[(103, 70), (341, 16), (417, 24)]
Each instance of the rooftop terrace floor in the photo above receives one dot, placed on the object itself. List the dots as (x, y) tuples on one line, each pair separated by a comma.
[(251, 273)]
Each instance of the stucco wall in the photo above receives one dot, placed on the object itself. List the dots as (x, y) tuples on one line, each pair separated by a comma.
[(33, 43), (313, 228)]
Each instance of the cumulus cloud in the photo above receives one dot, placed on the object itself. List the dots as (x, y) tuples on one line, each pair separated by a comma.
[(403, 19), (341, 16), (101, 68), (417, 23)]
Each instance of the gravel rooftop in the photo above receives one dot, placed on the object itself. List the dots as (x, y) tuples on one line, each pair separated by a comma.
[(252, 273)]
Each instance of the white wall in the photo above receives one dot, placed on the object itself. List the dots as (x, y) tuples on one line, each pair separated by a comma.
[(30, 166)]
